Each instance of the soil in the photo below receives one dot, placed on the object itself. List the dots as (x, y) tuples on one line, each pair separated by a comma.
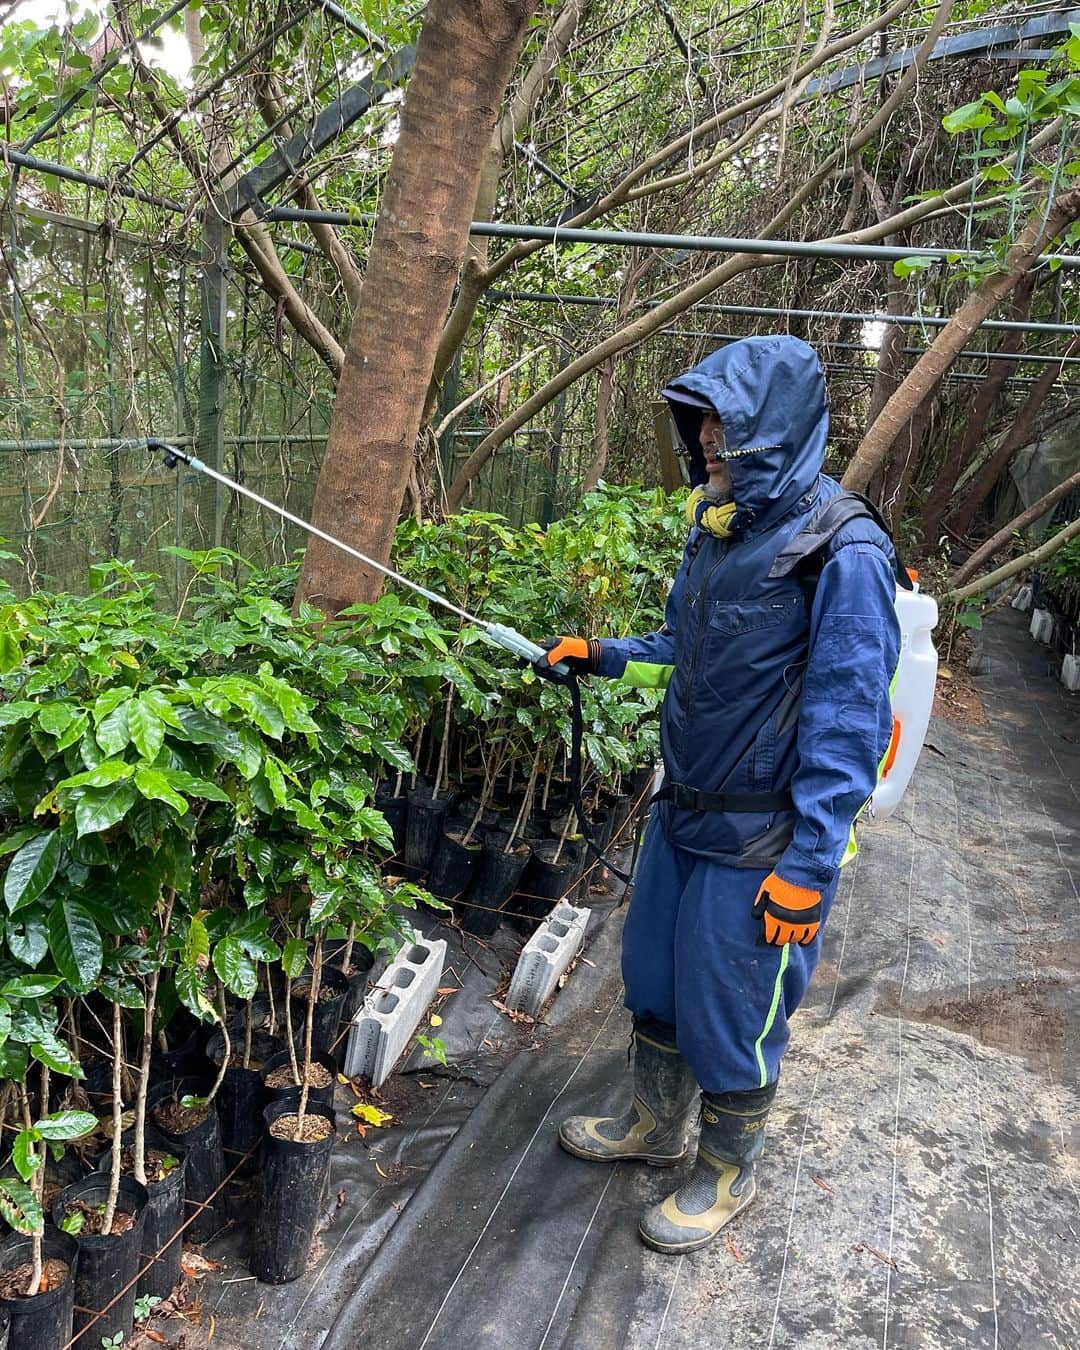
[(179, 1119), (315, 1128), (1023, 1017), (327, 993), (158, 1163), (15, 1283), (956, 699), (318, 1076), (95, 1216)]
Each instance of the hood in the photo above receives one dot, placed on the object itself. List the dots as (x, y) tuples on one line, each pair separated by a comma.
[(770, 395)]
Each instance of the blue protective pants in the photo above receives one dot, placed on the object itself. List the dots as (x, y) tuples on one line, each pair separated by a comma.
[(693, 955)]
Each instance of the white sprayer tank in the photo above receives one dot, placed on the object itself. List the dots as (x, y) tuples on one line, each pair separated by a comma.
[(912, 698)]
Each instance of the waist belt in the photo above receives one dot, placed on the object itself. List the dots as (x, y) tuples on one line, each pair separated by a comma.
[(688, 798)]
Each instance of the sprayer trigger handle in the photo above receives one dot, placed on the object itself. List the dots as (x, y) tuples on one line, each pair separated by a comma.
[(516, 642)]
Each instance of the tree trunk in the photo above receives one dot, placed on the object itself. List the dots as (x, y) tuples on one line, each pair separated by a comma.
[(1018, 435), (904, 465), (927, 373), (964, 449), (464, 59), (601, 433), (997, 541)]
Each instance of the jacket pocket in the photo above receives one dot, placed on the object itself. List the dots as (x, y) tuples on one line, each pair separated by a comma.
[(735, 617)]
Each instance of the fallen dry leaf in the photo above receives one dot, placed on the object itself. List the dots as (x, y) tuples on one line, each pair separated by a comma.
[(823, 1184), (734, 1250), (448, 989), (156, 1337)]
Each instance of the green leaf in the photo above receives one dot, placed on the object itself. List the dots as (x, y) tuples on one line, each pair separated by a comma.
[(55, 717), (26, 1162), (195, 787), (26, 937), (158, 702), (235, 968), (74, 1222), (10, 652), (197, 942), (275, 779), (969, 117), (152, 783), (75, 944), (30, 986), (101, 808), (108, 702), (5, 1020), (52, 1051), (66, 1125), (294, 957), (20, 1207), (31, 870), (112, 731), (264, 712), (191, 993), (16, 712), (109, 771), (145, 728)]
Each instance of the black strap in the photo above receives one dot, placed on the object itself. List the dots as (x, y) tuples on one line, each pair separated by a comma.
[(823, 526), (688, 798), (577, 732)]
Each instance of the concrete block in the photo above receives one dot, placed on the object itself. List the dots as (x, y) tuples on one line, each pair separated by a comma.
[(1042, 625), (545, 958), (393, 1009), (1024, 598), (1070, 674)]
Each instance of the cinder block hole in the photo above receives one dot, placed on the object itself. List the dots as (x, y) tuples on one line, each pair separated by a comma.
[(559, 929), (417, 955), (386, 1003), (403, 978), (547, 944), (563, 912)]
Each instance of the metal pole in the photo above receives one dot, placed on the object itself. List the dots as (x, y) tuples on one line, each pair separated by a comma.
[(212, 360), (778, 312), (692, 243)]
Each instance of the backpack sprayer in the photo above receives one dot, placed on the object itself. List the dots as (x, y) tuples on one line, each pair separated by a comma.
[(501, 634)]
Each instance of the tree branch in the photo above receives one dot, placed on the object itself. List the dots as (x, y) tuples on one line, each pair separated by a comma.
[(927, 372), (996, 542), (1021, 564)]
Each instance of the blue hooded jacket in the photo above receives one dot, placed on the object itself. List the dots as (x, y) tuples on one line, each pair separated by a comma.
[(772, 686)]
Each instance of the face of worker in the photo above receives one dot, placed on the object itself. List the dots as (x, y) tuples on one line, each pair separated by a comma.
[(711, 437)]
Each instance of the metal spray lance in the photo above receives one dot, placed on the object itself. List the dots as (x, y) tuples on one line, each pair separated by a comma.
[(507, 638)]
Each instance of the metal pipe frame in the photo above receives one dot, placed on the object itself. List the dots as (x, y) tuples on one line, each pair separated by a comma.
[(692, 243)]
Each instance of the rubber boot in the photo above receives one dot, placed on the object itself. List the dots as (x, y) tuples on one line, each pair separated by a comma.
[(722, 1182), (654, 1127)]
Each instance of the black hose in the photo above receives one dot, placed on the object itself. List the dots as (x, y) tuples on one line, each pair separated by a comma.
[(577, 735)]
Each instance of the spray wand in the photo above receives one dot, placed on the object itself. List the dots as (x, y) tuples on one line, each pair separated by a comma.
[(508, 638)]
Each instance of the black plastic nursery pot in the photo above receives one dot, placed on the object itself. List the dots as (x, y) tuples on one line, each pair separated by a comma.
[(292, 1181), (545, 882), (496, 880), (281, 1060), (329, 1008), (361, 959), (107, 1264), (241, 1097), (453, 868), (162, 1241), (44, 1321), (423, 831), (396, 812), (201, 1141)]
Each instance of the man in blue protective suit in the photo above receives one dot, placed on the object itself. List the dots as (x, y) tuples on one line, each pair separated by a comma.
[(777, 653)]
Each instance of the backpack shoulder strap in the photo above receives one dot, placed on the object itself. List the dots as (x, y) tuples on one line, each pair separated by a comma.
[(805, 551)]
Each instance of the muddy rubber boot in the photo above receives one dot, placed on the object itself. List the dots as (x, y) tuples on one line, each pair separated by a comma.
[(722, 1182), (654, 1127)]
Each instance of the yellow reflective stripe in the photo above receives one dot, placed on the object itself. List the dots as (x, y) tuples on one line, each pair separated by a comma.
[(777, 991), (646, 675)]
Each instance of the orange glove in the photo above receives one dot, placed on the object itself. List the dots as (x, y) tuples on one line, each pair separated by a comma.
[(791, 913), (582, 655)]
